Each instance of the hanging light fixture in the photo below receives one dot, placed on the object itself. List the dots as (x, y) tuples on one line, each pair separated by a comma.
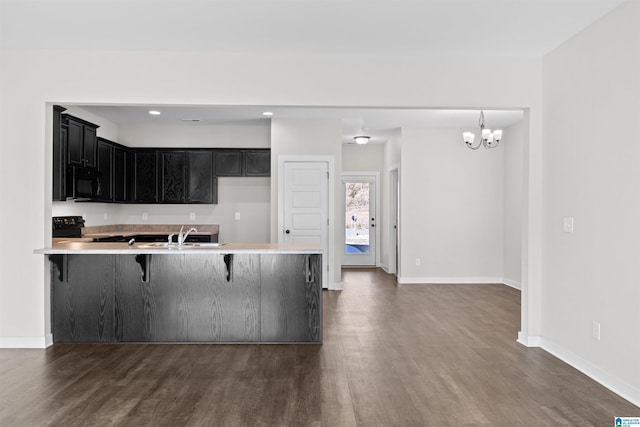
[(488, 138), (361, 139)]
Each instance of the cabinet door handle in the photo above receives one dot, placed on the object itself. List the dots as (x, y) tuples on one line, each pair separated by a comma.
[(287, 231)]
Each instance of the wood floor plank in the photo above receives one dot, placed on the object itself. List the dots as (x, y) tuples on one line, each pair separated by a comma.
[(418, 355)]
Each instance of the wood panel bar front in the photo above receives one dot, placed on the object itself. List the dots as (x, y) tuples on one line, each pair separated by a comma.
[(208, 297)]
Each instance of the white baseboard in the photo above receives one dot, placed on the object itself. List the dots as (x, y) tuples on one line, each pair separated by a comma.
[(26, 342), (385, 268), (512, 283), (449, 280), (613, 383), (528, 340)]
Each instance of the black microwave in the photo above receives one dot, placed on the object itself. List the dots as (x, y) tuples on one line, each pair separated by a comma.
[(83, 183)]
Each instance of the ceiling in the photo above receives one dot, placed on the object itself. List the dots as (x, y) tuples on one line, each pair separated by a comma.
[(310, 27), (378, 123)]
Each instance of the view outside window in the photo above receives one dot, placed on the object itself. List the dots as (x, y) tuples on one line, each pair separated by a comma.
[(357, 218)]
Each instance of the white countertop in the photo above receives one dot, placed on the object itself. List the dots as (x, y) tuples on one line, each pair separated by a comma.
[(69, 246)]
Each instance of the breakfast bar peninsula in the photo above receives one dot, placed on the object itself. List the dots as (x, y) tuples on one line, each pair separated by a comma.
[(192, 292)]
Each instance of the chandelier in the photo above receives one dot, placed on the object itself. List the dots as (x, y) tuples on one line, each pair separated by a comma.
[(488, 138)]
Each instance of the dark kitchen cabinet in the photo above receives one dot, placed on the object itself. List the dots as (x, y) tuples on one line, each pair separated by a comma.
[(257, 162), (105, 170), (119, 174), (82, 142), (112, 171), (59, 145), (202, 185), (187, 177), (172, 182), (231, 162), (228, 163), (144, 177)]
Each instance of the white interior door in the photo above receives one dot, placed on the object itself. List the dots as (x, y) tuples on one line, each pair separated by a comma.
[(359, 207), (306, 206)]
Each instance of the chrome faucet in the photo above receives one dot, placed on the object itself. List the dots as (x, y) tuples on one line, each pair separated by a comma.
[(183, 237)]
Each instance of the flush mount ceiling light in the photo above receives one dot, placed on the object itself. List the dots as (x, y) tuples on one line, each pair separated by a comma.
[(267, 113), (361, 139), (154, 112), (488, 139)]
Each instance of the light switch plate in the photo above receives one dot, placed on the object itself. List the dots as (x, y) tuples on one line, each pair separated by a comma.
[(237, 216), (567, 224)]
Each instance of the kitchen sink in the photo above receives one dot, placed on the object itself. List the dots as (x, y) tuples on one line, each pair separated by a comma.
[(187, 245)]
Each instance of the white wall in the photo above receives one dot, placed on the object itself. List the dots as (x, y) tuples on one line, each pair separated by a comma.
[(107, 129), (195, 136), (452, 209), (591, 98), (390, 161), (513, 144), (309, 137), (31, 79), (362, 158)]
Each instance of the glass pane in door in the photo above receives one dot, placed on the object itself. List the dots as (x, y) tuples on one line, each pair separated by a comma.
[(357, 218)]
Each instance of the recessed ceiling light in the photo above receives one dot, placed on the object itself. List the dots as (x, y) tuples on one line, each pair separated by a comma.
[(154, 112), (267, 113)]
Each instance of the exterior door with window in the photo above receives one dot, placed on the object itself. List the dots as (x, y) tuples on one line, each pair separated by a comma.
[(359, 220)]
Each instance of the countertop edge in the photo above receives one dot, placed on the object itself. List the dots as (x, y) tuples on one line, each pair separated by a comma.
[(52, 251)]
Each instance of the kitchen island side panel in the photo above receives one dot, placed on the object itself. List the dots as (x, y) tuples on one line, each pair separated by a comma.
[(83, 308), (291, 298)]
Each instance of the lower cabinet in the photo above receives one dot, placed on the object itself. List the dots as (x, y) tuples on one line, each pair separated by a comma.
[(187, 298)]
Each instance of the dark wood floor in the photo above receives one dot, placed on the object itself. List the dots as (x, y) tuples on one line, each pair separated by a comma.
[(410, 355)]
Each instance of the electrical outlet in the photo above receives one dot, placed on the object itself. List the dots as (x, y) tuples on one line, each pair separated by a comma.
[(595, 330), (237, 216), (192, 216), (145, 216), (106, 215), (417, 261)]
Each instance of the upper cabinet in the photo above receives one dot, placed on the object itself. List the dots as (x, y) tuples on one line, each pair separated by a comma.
[(245, 162), (112, 176), (202, 185), (257, 162), (172, 176), (187, 177), (142, 175), (82, 141), (228, 163), (119, 180), (59, 155)]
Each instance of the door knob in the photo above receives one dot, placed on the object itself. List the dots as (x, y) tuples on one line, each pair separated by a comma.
[(287, 231)]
